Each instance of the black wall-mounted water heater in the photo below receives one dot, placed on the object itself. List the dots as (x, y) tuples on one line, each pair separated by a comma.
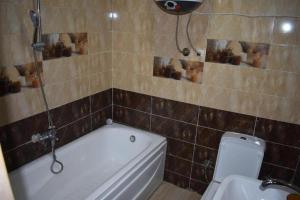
[(178, 7)]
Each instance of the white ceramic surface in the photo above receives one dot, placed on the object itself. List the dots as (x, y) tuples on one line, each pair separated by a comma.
[(104, 164), (244, 188)]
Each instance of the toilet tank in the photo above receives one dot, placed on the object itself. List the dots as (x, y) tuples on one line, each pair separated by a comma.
[(239, 154)]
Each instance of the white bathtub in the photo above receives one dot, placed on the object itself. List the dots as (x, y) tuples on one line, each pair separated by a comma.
[(104, 164)]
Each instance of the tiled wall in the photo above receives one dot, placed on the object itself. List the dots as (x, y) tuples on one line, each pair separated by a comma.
[(66, 79), (143, 31), (72, 121), (194, 132)]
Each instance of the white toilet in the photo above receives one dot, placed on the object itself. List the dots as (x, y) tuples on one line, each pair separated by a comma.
[(238, 154)]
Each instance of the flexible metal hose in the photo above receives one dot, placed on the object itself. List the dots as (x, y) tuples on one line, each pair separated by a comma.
[(176, 35), (189, 37), (50, 121)]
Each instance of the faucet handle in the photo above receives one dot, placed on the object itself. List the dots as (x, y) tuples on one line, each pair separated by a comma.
[(35, 138)]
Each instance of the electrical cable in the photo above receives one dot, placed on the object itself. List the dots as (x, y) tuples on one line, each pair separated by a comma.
[(188, 36)]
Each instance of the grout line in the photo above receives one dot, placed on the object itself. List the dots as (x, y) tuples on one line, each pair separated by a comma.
[(112, 104), (184, 159), (91, 119), (285, 145), (254, 128), (279, 166), (194, 146), (296, 170), (176, 173)]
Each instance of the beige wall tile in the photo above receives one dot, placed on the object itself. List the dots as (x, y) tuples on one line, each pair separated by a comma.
[(284, 58), (99, 62), (65, 92), (240, 28), (133, 5), (254, 7), (132, 82), (132, 42), (229, 100), (281, 109), (133, 63), (246, 79), (100, 82), (21, 105), (63, 69), (99, 42), (140, 22), (282, 84)]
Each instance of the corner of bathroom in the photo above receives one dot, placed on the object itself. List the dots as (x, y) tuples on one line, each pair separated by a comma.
[(149, 100)]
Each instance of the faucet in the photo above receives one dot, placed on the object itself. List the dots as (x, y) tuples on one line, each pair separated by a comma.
[(49, 135), (271, 181)]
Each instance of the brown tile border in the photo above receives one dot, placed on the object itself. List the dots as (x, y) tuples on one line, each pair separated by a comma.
[(175, 110), (226, 121), (132, 100), (176, 121), (125, 115), (279, 132)]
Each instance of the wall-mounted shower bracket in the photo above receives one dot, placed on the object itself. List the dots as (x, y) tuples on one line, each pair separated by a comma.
[(39, 46), (42, 138)]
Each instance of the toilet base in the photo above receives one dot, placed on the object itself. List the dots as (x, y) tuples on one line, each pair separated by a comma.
[(210, 191)]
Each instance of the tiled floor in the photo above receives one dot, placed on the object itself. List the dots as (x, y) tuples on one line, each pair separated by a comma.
[(168, 191)]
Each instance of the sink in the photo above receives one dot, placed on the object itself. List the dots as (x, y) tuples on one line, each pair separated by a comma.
[(237, 187)]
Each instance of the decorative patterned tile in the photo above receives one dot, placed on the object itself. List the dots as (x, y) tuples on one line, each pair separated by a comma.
[(226, 121), (279, 132), (175, 110), (173, 129), (59, 45), (241, 53), (184, 70), (132, 100), (131, 117)]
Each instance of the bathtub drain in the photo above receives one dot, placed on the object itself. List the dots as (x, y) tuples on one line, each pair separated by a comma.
[(132, 138)]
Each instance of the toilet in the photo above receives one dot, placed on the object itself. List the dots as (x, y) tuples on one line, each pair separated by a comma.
[(238, 154)]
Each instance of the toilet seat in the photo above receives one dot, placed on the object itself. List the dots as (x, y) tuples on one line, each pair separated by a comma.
[(210, 191)]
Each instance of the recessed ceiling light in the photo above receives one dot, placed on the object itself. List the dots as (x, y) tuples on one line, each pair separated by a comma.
[(286, 27), (113, 15)]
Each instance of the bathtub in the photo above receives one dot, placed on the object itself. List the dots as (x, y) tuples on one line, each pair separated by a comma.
[(105, 164)]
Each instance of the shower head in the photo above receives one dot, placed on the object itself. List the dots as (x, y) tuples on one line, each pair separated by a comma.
[(35, 18), (178, 7)]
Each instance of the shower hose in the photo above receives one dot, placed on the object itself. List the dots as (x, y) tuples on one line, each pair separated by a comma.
[(50, 121)]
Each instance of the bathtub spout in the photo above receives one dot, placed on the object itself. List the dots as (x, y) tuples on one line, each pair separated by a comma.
[(49, 135)]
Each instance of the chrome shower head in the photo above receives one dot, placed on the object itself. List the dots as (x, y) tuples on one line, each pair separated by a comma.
[(35, 18)]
